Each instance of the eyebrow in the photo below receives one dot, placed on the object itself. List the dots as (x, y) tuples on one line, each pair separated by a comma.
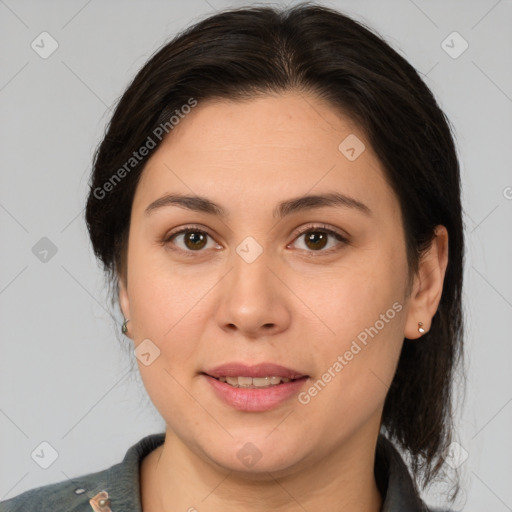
[(288, 207)]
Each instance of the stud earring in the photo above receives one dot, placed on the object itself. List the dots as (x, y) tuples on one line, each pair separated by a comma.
[(124, 328), (420, 327)]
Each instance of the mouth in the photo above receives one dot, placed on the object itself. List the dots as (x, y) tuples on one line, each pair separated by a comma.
[(256, 388), (262, 375), (255, 382)]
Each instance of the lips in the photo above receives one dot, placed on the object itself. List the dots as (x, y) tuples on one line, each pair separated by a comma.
[(257, 388), (261, 370)]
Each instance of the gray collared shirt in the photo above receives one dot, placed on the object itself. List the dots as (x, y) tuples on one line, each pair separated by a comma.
[(121, 482)]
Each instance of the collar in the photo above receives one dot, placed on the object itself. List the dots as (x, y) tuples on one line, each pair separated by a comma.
[(122, 483), (394, 481), (392, 475)]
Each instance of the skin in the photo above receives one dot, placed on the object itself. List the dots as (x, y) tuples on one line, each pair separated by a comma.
[(285, 307)]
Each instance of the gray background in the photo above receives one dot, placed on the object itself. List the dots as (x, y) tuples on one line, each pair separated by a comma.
[(64, 376)]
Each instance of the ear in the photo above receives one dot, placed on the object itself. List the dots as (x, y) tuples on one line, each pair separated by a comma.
[(428, 285), (124, 301)]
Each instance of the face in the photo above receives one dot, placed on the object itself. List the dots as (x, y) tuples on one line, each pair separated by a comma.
[(317, 289)]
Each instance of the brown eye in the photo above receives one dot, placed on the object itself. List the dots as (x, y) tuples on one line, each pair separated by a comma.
[(316, 238), (194, 240), (189, 240)]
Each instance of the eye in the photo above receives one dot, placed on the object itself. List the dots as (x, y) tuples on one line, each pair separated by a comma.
[(316, 238), (191, 238)]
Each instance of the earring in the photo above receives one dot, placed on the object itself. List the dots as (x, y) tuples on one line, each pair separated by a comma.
[(420, 327), (124, 328)]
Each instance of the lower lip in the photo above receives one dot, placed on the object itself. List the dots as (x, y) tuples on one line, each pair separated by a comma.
[(255, 399)]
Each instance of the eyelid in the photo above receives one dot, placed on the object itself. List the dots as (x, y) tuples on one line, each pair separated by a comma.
[(320, 227)]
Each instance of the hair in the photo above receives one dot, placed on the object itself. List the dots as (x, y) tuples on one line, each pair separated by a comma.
[(239, 54)]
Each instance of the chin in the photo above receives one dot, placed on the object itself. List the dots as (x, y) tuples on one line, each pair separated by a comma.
[(254, 459)]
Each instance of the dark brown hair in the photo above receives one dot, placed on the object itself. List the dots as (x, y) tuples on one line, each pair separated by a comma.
[(240, 53)]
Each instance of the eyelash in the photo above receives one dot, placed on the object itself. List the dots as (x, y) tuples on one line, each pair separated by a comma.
[(316, 227)]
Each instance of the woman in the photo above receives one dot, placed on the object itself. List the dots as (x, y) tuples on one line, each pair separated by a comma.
[(277, 202)]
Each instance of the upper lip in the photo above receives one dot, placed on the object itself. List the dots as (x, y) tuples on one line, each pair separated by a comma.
[(235, 369)]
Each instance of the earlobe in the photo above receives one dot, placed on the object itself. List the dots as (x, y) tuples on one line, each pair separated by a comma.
[(428, 286)]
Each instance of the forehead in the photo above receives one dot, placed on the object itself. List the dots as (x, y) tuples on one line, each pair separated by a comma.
[(298, 119), (265, 147)]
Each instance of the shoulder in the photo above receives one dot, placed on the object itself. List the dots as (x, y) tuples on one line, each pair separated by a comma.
[(66, 496), (120, 481)]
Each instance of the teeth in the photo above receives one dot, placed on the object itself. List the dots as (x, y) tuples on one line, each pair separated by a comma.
[(253, 382), (261, 382), (244, 382)]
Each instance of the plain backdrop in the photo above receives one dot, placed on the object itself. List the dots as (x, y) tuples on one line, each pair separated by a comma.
[(64, 376)]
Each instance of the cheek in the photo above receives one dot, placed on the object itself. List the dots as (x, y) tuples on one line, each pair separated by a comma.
[(357, 354), (158, 293), (351, 297), (355, 371), (166, 310), (166, 305)]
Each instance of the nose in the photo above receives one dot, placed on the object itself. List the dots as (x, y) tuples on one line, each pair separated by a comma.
[(253, 299)]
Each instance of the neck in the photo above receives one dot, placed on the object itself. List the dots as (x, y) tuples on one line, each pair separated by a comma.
[(174, 478)]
